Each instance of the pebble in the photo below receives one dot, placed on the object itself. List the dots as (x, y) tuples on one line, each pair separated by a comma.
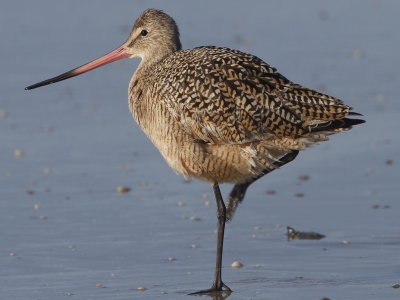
[(299, 195), (19, 153), (181, 203), (12, 254), (270, 192), (194, 218), (37, 206), (236, 264), (396, 286), (389, 162), (207, 203), (99, 285), (304, 177), (345, 242), (194, 246), (141, 288), (325, 298), (43, 217), (171, 259), (30, 192), (69, 294), (257, 227), (376, 206), (122, 189)]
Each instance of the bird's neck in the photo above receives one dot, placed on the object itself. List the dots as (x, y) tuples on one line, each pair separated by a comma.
[(148, 63), (149, 59)]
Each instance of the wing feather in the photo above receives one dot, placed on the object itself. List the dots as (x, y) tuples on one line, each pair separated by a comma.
[(224, 96)]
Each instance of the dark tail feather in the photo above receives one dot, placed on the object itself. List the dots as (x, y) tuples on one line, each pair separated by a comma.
[(354, 114), (344, 124)]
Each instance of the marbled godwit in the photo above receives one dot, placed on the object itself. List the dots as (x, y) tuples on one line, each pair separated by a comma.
[(218, 114)]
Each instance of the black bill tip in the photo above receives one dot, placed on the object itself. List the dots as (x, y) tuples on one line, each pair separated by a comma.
[(58, 78)]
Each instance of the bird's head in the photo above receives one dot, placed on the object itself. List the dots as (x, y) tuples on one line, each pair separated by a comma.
[(153, 36)]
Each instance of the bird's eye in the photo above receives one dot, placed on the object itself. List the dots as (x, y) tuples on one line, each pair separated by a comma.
[(144, 32)]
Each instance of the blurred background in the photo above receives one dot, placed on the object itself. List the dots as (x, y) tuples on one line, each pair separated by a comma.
[(67, 230)]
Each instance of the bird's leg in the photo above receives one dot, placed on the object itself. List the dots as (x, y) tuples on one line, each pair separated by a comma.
[(238, 191), (221, 214), (218, 286), (235, 197)]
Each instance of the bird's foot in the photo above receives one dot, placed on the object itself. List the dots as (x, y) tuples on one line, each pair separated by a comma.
[(219, 289)]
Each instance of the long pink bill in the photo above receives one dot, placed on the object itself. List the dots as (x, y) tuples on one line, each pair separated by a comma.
[(119, 53)]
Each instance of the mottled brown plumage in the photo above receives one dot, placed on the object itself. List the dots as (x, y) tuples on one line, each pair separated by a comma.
[(224, 115), (218, 114)]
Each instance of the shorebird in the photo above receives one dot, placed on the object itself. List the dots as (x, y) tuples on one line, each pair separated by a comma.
[(217, 114)]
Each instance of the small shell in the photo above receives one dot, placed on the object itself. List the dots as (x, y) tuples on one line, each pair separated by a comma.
[(171, 259), (122, 189), (19, 153), (236, 264)]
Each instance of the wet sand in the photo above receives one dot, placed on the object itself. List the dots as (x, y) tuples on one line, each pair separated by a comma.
[(66, 232)]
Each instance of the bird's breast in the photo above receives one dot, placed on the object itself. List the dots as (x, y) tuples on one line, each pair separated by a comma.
[(183, 153)]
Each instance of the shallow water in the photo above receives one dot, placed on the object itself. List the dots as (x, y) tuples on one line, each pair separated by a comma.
[(65, 230)]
